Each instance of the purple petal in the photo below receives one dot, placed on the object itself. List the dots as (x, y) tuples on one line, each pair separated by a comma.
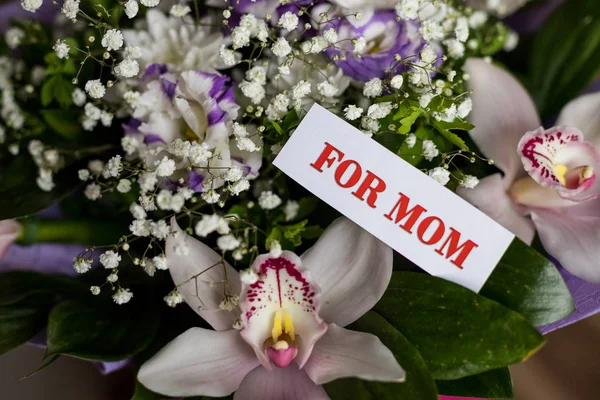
[(168, 87), (195, 181), (153, 138), (153, 70), (132, 125), (44, 257)]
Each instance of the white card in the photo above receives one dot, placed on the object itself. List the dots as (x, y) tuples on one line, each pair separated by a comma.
[(394, 201)]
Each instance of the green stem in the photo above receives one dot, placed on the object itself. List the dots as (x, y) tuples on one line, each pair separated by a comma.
[(92, 232)]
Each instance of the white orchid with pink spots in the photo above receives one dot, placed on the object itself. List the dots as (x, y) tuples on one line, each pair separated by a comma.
[(293, 310), (558, 197)]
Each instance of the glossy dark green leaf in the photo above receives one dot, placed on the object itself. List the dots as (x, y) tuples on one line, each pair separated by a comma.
[(419, 383), (566, 55), (457, 332), (529, 283), (495, 384), (19, 323), (20, 178), (18, 285), (64, 123), (103, 333)]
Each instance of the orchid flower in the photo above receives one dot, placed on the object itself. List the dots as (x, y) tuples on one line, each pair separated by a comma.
[(549, 180), (293, 310), (9, 232)]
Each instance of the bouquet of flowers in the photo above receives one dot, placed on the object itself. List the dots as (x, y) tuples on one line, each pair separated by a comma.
[(136, 174)]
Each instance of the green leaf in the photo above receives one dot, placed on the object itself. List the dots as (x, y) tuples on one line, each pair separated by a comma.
[(109, 333), (47, 92), (566, 55), (419, 383), (529, 283), (56, 88), (16, 286), (450, 136), (19, 323), (293, 233), (457, 332), (409, 119), (142, 393), (277, 127), (494, 384), (19, 178), (63, 122)]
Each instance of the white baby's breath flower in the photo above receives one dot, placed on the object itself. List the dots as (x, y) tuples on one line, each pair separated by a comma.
[(240, 186), (150, 3), (122, 296), (288, 21), (95, 290), (83, 174), (461, 30), (428, 55), (31, 5), (173, 298), (211, 223), (211, 197), (408, 9), (13, 37), (281, 48), (140, 227), (124, 186), (180, 10), (268, 200), (159, 229), (469, 181), (131, 8), (330, 35), (61, 49), (248, 276), (301, 90), (82, 265), (70, 8), (440, 175), (234, 174), (95, 89), (92, 191), (327, 89), (379, 110), (253, 90), (228, 56), (78, 97), (291, 210), (359, 44), (137, 211), (373, 88), (410, 141), (165, 167), (246, 144), (464, 109), (397, 82), (228, 243), (112, 40), (430, 150), (352, 112), (160, 262), (114, 166), (128, 68), (110, 259)]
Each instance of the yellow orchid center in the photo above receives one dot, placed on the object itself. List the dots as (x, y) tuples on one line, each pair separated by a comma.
[(282, 323)]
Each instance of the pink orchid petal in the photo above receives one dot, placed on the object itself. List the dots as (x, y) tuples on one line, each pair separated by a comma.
[(9, 232), (279, 384), (489, 196), (502, 113), (560, 159), (284, 287), (583, 113), (204, 293), (342, 353), (199, 362), (572, 239), (352, 268)]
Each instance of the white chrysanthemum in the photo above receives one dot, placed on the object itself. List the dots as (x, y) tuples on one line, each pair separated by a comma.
[(70, 8), (373, 88), (128, 68), (430, 150), (112, 40), (110, 259), (95, 89), (469, 182), (440, 175), (180, 45), (131, 8), (31, 5), (122, 296)]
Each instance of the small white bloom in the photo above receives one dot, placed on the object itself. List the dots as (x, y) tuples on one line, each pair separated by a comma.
[(122, 296), (113, 277), (469, 182), (397, 82), (359, 44), (281, 48), (147, 181), (327, 89), (240, 186), (373, 88), (96, 166), (95, 89), (410, 141), (268, 200), (109, 259), (430, 150), (82, 265), (165, 167), (425, 99), (133, 52), (128, 68), (159, 229), (163, 199), (352, 112), (137, 211), (112, 40), (408, 9), (464, 109), (78, 96), (253, 90), (288, 21), (431, 30), (301, 90), (512, 41), (95, 290), (228, 243), (14, 37), (477, 19), (31, 5), (246, 144), (379, 110), (140, 227), (211, 197), (451, 75), (150, 3), (440, 175), (211, 223), (291, 210), (70, 8), (456, 49), (275, 249), (147, 202), (83, 174), (148, 266), (124, 186), (330, 35), (61, 49), (173, 298), (160, 262), (228, 56), (131, 97), (229, 303), (92, 191), (248, 276), (131, 8), (180, 10), (114, 166), (461, 30), (177, 203), (106, 118), (234, 174)]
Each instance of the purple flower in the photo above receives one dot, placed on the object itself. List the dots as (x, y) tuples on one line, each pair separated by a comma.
[(384, 38)]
